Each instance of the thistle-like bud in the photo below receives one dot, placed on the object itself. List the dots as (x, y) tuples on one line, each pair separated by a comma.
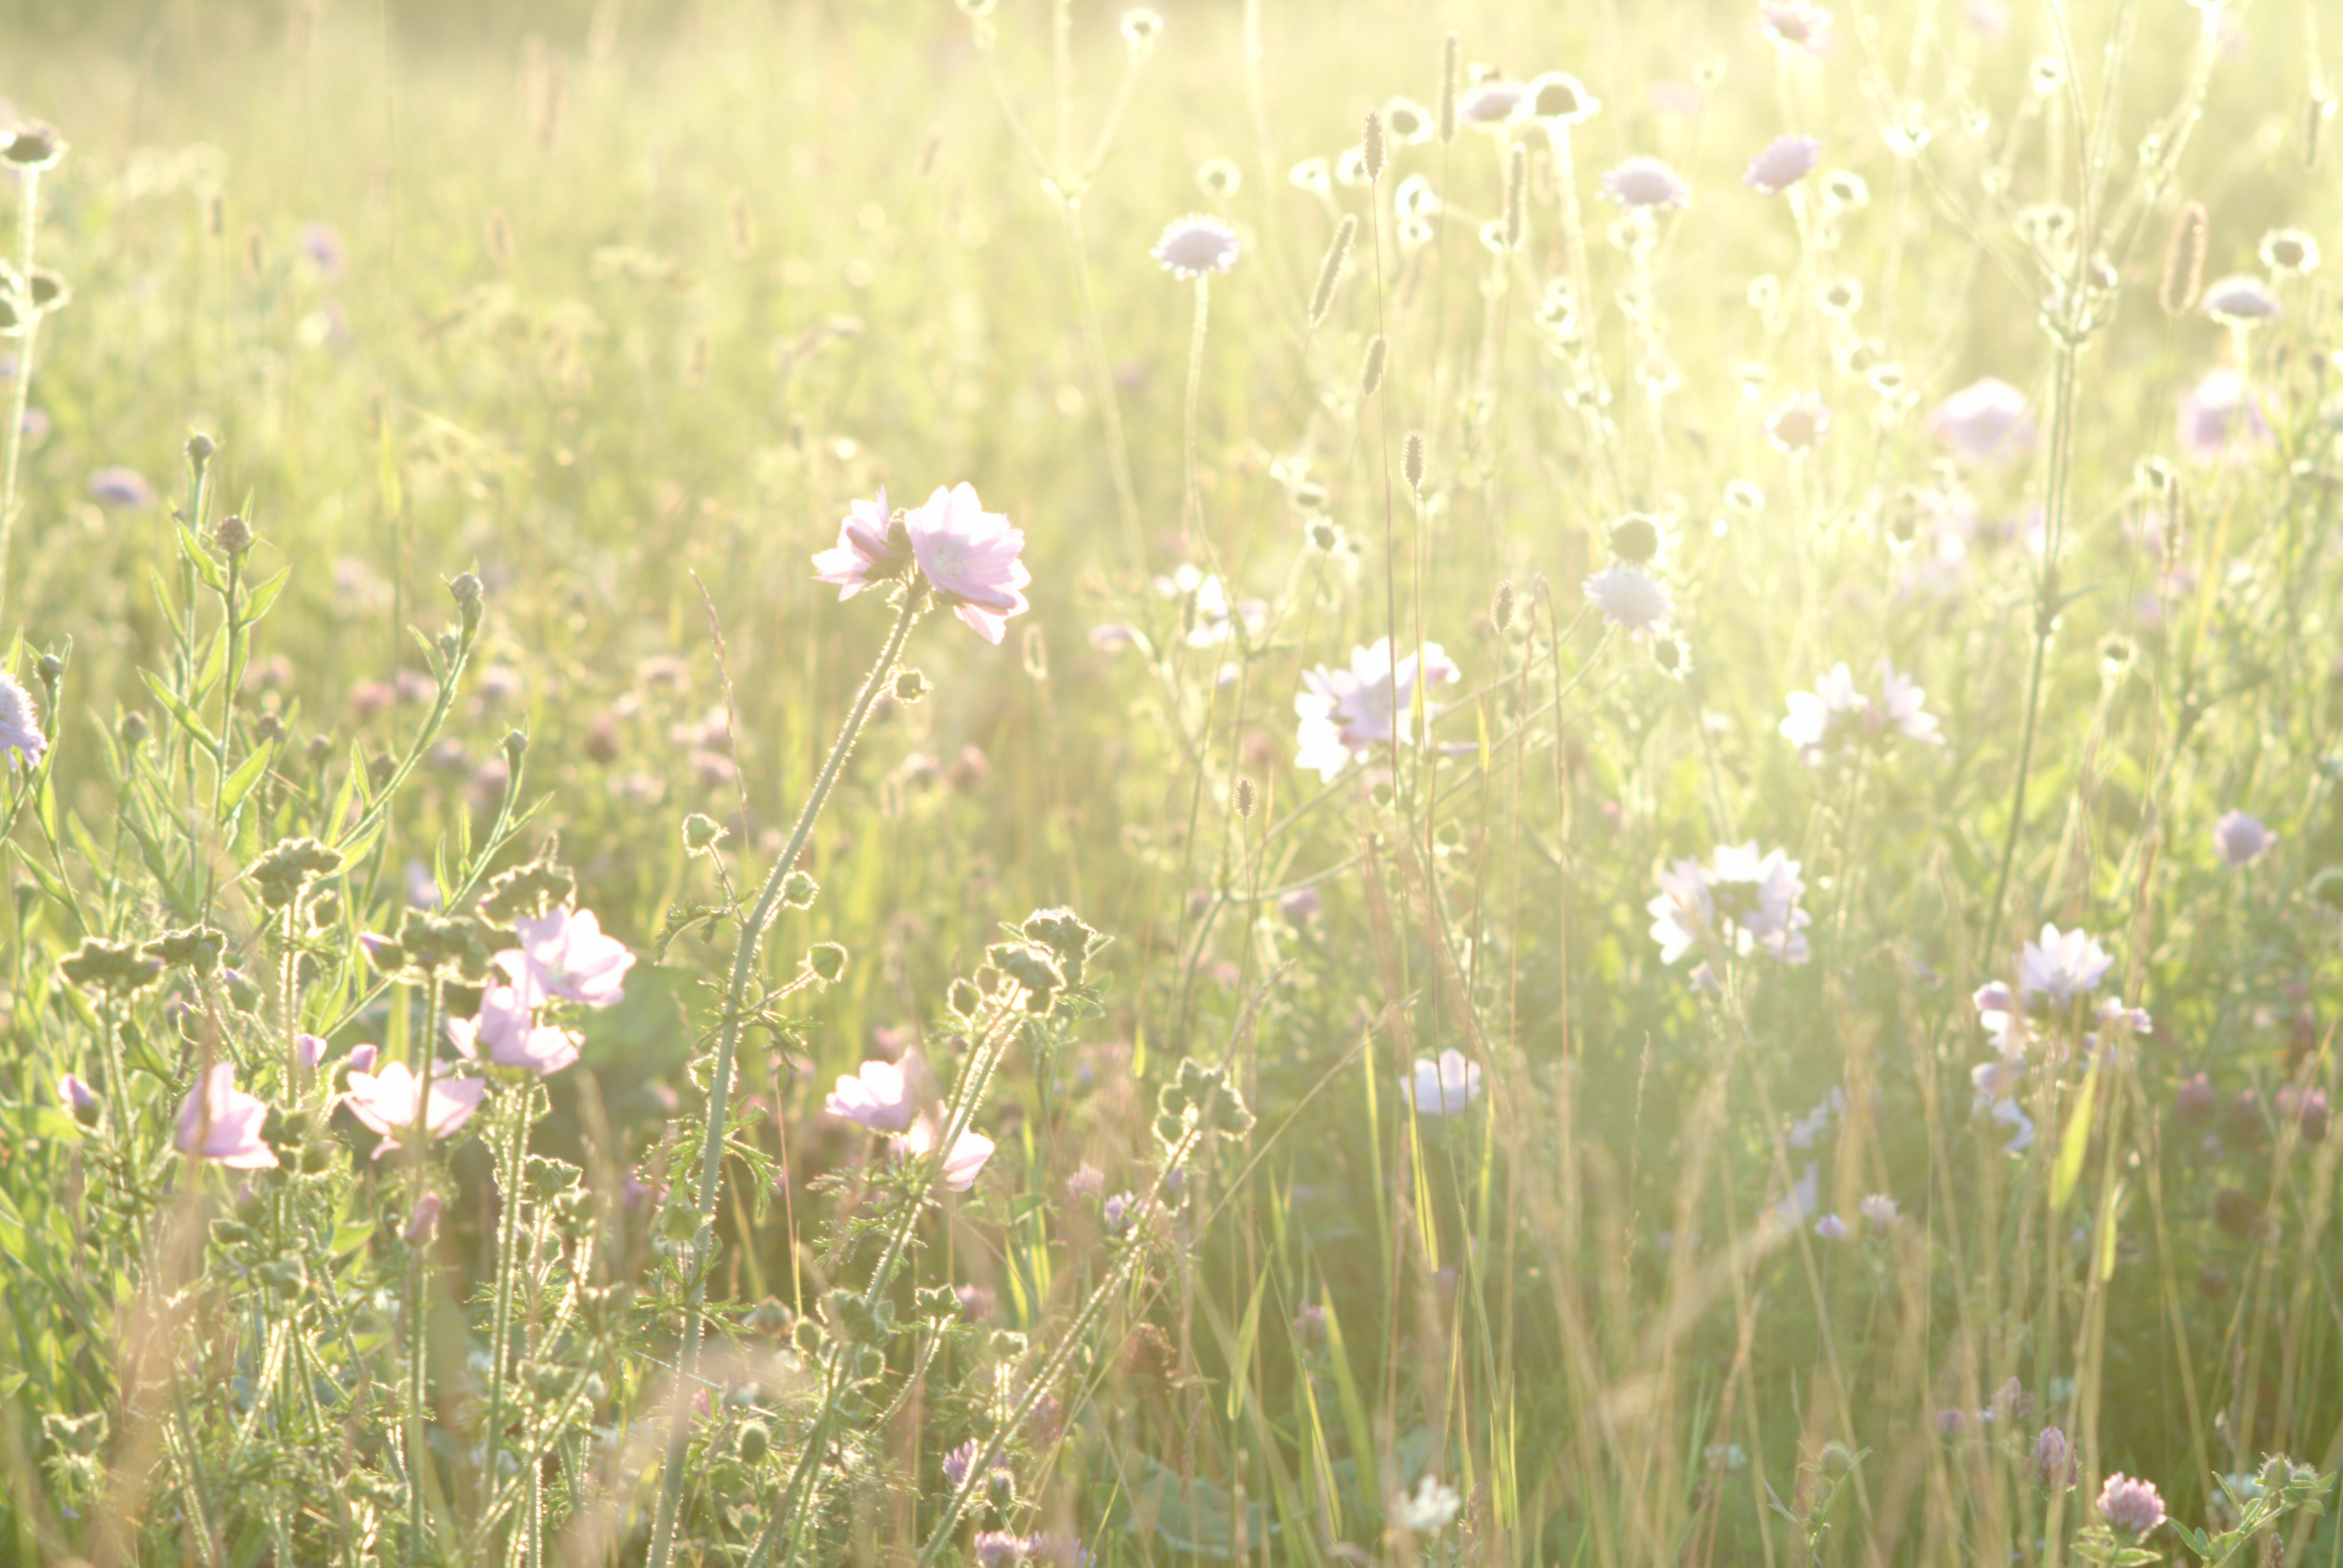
[(1244, 797), (200, 448), (701, 833), (1501, 605), (232, 535), (133, 729), (911, 686), (798, 892), (1411, 461), (826, 961), (1370, 144), (1370, 373), (1329, 271), (1450, 48), (2184, 261), (51, 669), (321, 747), (516, 747)]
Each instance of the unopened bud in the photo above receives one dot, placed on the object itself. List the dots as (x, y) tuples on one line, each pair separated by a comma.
[(516, 747), (321, 747), (133, 729), (466, 590), (232, 535), (827, 960), (451, 645), (50, 667), (911, 686), (424, 1223), (200, 448), (269, 727), (701, 833), (800, 891)]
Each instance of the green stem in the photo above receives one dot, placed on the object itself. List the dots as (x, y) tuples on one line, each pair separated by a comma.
[(509, 1226), (419, 1139), (727, 1038), (28, 221)]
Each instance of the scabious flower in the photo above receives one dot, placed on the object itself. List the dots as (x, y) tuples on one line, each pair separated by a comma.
[(964, 1162), (563, 953), (1831, 1228), (1835, 715), (20, 725), (385, 1102), (1432, 1509), (1557, 99), (1635, 602), (1984, 422), (1747, 901), (1487, 106), (2063, 965), (1785, 161), (1799, 423), (872, 548), (1196, 245), (2239, 301), (957, 1463), (1056, 1548), (122, 487), (1796, 23), (513, 1035), (1644, 182), (1346, 713), (1445, 1087), (2242, 840), (2132, 1506), (220, 1123), (998, 1548), (882, 1096), (969, 556), (2219, 413)]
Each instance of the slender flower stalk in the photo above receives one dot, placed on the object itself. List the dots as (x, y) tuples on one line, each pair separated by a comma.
[(28, 210), (523, 1101), (727, 1040)]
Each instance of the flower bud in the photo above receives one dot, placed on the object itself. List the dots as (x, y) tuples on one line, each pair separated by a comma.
[(200, 448), (827, 960), (133, 729), (516, 747), (466, 590), (232, 535), (911, 686), (451, 645), (424, 1222), (798, 892), (49, 667), (701, 833), (33, 145)]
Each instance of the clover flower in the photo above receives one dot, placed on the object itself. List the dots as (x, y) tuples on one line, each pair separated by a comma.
[(1645, 183), (2055, 1463), (387, 1101), (1983, 422), (563, 953), (998, 1549), (882, 1096), (969, 556), (1345, 714), (1632, 601), (957, 1462), (1785, 161), (1196, 245), (1880, 1210), (1432, 1508), (1831, 1228), (2242, 840), (20, 725), (2132, 1506), (1445, 1087), (220, 1123)]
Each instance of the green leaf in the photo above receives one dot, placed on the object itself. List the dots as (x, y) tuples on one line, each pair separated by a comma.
[(1241, 1366), (192, 550), (239, 784), (179, 709), (2073, 1142), (257, 602)]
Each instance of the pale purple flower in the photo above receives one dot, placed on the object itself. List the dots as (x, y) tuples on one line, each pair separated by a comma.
[(1487, 106), (77, 1096), (2239, 301), (1799, 423), (308, 1049), (962, 1164), (1810, 1128), (957, 1462), (969, 556), (2219, 412), (1635, 602), (563, 953), (2062, 966), (2010, 1114), (220, 1123), (1443, 1088), (1996, 1008), (1645, 182), (1803, 1199), (386, 1101), (998, 1549), (513, 1035), (871, 549), (2131, 1506), (1057, 1549), (424, 1222), (1113, 636), (1758, 895), (2242, 840), (1814, 714), (1196, 245), (362, 1058), (1984, 422), (2055, 1463), (1785, 161), (20, 725), (1796, 23), (1346, 713), (1087, 1181), (1301, 906), (1684, 913), (882, 1096), (1557, 99), (115, 486), (320, 244), (1901, 707), (1831, 1228), (1880, 1212)]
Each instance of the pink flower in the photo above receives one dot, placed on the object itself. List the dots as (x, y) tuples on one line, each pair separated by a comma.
[(309, 1050), (962, 1164), (1346, 713), (2055, 1465), (882, 1096), (226, 1122), (2061, 966), (77, 1097), (1881, 1210), (513, 1035), (2132, 1506), (2221, 413), (1445, 1087), (385, 1102), (1796, 23), (2242, 840), (871, 549), (969, 556), (362, 1058), (425, 1222), (1785, 162), (564, 953), (1983, 422)]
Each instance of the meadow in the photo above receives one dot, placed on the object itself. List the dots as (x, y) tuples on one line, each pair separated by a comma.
[(1268, 781)]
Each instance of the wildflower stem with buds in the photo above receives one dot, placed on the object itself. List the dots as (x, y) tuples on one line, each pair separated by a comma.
[(727, 1040)]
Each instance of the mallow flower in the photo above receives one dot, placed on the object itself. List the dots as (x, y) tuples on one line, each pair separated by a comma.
[(1445, 1087), (880, 1095), (512, 1035), (963, 1162), (220, 1123), (1346, 713), (969, 556), (386, 1101), (563, 953)]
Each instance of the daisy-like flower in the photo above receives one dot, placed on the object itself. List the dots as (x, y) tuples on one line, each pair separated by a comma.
[(1632, 600), (385, 1102), (512, 1035), (2134, 1507), (1901, 710), (1350, 168), (2221, 411), (2289, 252), (1445, 1087), (957, 1462), (1799, 423), (1785, 161), (2242, 840), (882, 1096), (2241, 300), (1557, 99), (1196, 245), (20, 725), (1795, 25), (1746, 900), (1346, 713), (872, 548), (220, 1123), (1216, 616), (1983, 422), (969, 556), (2063, 965), (1487, 106), (1645, 183), (963, 1162), (121, 487), (563, 953)]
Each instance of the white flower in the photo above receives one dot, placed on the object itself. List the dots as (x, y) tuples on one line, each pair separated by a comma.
[(1683, 913), (1748, 901), (1813, 714), (1443, 1088), (1803, 1199), (1900, 702), (1432, 1507), (20, 725), (1629, 600), (1196, 245), (1346, 713), (1831, 1228), (2062, 966), (1880, 1209), (1984, 421), (1216, 616), (1834, 711)]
